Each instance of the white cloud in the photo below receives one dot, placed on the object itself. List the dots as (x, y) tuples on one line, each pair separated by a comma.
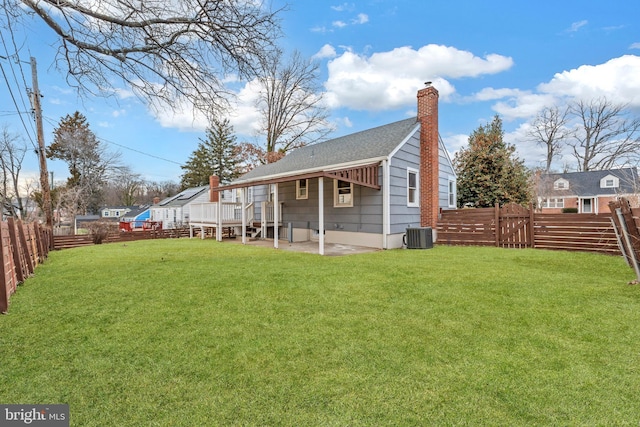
[(389, 80), (104, 124), (617, 79), (343, 7), (339, 24), (326, 51), (577, 25), (362, 18), (118, 113), (523, 106), (635, 46), (454, 143)]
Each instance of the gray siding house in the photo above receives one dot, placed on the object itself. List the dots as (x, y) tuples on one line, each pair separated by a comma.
[(364, 189)]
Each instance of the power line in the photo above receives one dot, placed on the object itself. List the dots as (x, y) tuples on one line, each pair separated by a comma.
[(140, 152), (19, 110), (53, 123)]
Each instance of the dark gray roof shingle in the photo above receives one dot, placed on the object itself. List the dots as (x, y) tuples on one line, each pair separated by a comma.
[(368, 144), (587, 184)]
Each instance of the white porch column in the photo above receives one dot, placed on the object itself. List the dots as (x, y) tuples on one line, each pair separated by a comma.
[(219, 220), (386, 204), (321, 215), (243, 195), (276, 215)]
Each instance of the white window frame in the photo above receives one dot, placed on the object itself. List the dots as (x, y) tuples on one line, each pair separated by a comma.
[(416, 189), (553, 202), (302, 195), (452, 193), (337, 203), (613, 180), (561, 184)]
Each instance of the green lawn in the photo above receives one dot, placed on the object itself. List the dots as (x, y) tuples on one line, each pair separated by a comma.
[(197, 333)]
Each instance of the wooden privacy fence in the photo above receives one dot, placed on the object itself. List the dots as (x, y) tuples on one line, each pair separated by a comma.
[(514, 226), (75, 241), (23, 247), (626, 223)]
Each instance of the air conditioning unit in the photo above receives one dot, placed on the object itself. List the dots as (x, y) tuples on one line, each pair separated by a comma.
[(419, 238)]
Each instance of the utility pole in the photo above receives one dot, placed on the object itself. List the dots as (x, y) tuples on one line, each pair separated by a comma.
[(47, 205)]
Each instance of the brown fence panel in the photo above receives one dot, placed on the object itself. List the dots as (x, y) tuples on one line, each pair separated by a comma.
[(8, 278), (75, 241), (519, 227), (467, 227), (577, 232)]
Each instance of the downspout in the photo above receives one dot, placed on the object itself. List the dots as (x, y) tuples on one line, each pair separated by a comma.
[(386, 217)]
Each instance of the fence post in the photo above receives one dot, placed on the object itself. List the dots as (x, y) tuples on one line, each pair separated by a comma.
[(17, 259), (4, 286), (498, 225), (532, 218), (627, 239)]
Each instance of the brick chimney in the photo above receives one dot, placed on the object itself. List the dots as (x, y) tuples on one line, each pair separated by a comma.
[(429, 185), (214, 182), (156, 200)]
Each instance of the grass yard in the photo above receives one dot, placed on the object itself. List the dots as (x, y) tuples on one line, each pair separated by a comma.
[(197, 333)]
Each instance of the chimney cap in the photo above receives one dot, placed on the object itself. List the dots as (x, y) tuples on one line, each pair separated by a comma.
[(427, 84)]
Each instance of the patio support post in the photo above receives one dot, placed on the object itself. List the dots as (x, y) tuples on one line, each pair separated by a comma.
[(276, 215), (219, 220), (243, 195), (321, 215)]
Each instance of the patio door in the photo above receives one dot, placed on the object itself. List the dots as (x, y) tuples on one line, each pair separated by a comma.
[(586, 206)]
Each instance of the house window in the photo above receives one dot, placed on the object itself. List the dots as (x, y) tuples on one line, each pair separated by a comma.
[(302, 189), (452, 193), (553, 203), (561, 184), (412, 188), (342, 194), (105, 214), (609, 181)]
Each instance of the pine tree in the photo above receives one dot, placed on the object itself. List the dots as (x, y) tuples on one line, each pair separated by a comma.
[(88, 160), (488, 170), (218, 155)]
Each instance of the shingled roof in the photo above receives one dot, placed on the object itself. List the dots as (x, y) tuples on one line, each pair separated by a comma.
[(365, 146), (587, 184)]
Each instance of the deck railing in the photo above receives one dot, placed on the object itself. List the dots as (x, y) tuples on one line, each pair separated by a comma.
[(207, 213)]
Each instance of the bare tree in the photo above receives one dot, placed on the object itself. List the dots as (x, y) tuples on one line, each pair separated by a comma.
[(12, 152), (606, 135), (163, 49), (291, 104), (549, 129), (125, 188)]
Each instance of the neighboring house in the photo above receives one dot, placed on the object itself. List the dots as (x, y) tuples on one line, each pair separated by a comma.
[(174, 211), (364, 189), (588, 192), (135, 218), (110, 212)]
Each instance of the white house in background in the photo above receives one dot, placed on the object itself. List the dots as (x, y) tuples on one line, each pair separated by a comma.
[(175, 211), (364, 189)]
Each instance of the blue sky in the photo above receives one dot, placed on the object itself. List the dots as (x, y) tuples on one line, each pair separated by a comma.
[(494, 57)]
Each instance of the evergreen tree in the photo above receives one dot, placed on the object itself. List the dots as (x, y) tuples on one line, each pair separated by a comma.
[(489, 172), (88, 160), (218, 155)]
